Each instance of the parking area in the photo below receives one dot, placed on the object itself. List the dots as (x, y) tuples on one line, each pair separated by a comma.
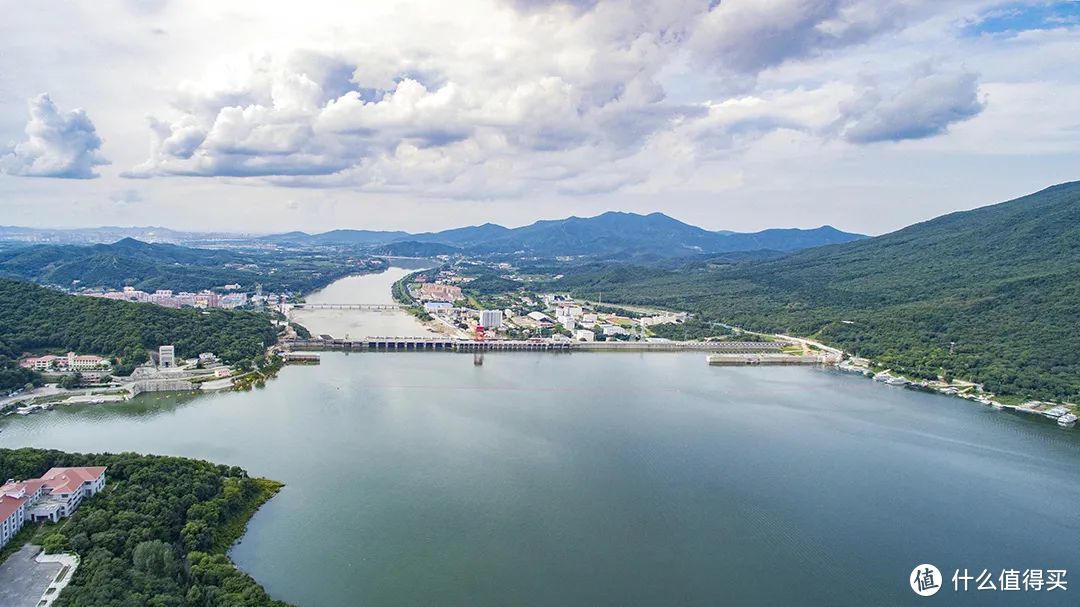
[(23, 580)]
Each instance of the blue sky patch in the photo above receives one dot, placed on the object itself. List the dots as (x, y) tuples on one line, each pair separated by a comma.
[(1022, 16)]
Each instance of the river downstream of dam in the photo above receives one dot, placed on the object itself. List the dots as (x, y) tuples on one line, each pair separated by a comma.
[(363, 289)]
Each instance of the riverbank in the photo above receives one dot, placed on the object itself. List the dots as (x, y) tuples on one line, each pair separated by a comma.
[(1065, 414), (367, 289)]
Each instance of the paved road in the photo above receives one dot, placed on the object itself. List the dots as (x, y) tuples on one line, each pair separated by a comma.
[(46, 390), (22, 580)]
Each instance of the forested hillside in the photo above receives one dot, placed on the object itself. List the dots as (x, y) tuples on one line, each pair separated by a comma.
[(148, 267), (999, 286), (34, 318), (12, 376), (157, 534)]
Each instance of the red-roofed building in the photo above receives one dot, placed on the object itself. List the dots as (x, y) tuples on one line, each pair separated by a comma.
[(71, 362), (55, 495), (42, 363), (12, 515)]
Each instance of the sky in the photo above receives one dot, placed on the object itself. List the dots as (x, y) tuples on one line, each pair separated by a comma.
[(267, 116)]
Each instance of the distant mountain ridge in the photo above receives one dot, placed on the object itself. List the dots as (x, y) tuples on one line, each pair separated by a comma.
[(613, 233)]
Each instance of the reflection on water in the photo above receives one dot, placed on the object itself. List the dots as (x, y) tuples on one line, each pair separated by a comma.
[(609, 479), (366, 289)]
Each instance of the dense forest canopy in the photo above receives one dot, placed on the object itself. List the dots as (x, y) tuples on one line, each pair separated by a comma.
[(34, 318), (991, 294), (149, 267), (156, 535), (13, 376)]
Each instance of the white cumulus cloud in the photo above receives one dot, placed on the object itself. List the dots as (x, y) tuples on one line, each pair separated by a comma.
[(543, 96), (58, 144), (922, 107)]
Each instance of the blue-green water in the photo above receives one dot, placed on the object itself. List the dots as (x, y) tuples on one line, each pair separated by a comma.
[(611, 479)]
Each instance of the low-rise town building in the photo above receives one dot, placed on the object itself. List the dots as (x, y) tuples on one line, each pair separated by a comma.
[(440, 292), (41, 363), (612, 330), (233, 300), (81, 362), (170, 299), (70, 362)]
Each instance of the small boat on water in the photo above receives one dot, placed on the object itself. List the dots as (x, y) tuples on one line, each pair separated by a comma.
[(1067, 421), (1056, 412), (896, 381)]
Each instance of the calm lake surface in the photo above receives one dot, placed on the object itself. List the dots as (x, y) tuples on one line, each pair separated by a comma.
[(611, 479)]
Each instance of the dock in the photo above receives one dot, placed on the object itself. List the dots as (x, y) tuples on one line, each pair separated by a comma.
[(734, 347), (739, 359), (303, 358)]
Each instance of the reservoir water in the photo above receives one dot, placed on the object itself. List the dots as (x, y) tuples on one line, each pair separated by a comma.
[(622, 479)]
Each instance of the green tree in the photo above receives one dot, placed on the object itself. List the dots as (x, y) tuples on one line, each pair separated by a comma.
[(71, 381), (155, 557)]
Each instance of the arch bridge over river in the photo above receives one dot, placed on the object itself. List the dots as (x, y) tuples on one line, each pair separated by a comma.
[(365, 307)]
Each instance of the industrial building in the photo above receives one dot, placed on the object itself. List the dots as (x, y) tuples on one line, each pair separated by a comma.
[(167, 357)]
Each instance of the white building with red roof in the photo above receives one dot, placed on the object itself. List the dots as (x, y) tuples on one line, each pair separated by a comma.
[(52, 497), (12, 515), (71, 362)]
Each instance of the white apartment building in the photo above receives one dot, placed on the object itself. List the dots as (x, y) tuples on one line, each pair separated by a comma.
[(13, 513), (55, 495), (491, 319), (82, 362)]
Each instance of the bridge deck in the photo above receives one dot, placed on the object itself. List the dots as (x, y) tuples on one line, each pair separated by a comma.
[(348, 306), (446, 344)]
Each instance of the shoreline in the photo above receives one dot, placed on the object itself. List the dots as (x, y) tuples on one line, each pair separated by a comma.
[(441, 336)]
